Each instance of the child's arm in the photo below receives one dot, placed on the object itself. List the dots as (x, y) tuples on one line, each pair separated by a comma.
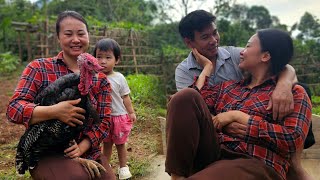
[(127, 103)]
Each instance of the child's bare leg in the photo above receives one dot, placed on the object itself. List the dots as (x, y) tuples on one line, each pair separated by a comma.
[(107, 150), (122, 155)]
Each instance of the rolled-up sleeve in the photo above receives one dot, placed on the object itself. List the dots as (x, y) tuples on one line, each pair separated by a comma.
[(21, 104)]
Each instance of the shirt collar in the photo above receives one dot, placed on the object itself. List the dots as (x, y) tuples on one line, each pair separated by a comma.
[(223, 55), (271, 81), (59, 58)]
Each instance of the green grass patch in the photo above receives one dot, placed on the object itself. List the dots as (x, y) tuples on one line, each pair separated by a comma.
[(11, 174), (138, 166), (146, 90), (316, 100), (7, 156), (11, 146), (316, 105), (316, 110)]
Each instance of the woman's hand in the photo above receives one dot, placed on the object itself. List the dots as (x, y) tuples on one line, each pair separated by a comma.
[(68, 113), (73, 151), (235, 129), (208, 68), (222, 119), (225, 118), (203, 61)]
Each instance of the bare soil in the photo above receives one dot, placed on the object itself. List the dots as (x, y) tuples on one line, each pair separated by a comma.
[(9, 132)]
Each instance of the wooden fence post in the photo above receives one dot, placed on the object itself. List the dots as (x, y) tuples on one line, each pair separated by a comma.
[(46, 36), (133, 51), (28, 44), (19, 46), (163, 134)]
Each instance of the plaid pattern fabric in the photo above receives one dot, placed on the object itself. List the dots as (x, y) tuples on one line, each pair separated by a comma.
[(38, 75), (269, 140)]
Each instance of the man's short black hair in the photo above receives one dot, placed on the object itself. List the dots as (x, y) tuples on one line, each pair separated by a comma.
[(195, 21)]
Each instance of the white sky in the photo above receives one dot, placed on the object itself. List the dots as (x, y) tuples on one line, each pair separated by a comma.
[(288, 11)]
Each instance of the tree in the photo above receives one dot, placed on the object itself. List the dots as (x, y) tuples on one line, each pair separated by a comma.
[(233, 34), (276, 23), (259, 17), (15, 10), (236, 13), (222, 6), (172, 10), (309, 26), (133, 11)]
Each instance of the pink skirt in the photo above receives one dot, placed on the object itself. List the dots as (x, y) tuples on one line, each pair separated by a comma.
[(119, 130)]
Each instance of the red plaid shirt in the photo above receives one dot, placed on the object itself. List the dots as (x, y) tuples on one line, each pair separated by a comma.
[(266, 139), (38, 75)]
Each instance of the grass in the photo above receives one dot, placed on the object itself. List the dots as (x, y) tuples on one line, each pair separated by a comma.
[(316, 105), (11, 174), (7, 154)]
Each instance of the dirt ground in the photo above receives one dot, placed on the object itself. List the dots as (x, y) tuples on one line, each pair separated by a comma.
[(9, 132)]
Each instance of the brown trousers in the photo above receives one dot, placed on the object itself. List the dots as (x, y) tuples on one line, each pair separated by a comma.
[(193, 148), (62, 168)]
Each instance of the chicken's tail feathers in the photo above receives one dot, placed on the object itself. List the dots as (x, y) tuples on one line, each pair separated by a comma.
[(21, 165), (25, 146)]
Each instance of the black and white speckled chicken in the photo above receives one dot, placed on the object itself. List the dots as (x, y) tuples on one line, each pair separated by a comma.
[(52, 137)]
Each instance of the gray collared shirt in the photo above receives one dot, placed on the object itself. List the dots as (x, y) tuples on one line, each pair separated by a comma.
[(226, 68)]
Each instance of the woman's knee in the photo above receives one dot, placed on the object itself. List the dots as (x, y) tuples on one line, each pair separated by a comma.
[(185, 96)]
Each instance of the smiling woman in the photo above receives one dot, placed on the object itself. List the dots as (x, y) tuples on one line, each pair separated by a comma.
[(73, 37), (72, 32)]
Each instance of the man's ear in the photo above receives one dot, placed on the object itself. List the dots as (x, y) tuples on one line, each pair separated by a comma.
[(188, 42), (266, 57)]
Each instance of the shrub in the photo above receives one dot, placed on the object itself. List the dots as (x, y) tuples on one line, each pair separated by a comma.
[(146, 89), (8, 63)]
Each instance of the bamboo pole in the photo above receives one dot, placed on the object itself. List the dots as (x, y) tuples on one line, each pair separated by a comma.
[(19, 46), (46, 36), (133, 51), (42, 36), (28, 44)]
